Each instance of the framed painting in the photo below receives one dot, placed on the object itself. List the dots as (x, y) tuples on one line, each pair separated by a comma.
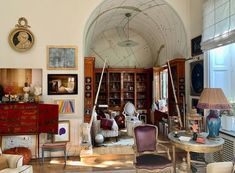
[(62, 57), (63, 132), (66, 106), (21, 38), (197, 80), (196, 46), (62, 84)]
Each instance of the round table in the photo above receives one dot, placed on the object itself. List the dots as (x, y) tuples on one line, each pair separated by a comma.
[(210, 145)]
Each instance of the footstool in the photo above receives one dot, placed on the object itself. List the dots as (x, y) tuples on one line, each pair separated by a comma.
[(54, 147), (25, 152)]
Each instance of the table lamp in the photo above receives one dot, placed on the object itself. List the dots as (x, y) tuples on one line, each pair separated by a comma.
[(214, 100)]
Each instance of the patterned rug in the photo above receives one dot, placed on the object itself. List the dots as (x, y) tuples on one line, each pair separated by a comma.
[(111, 171)]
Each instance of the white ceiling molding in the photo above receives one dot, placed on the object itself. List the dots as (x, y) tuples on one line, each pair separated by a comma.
[(154, 25)]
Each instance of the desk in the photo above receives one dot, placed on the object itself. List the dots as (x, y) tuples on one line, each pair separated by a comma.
[(210, 146), (54, 147)]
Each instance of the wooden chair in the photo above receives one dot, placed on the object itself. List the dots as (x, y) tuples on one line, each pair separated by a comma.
[(147, 150)]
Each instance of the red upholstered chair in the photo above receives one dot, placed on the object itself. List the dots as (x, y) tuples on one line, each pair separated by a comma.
[(148, 149)]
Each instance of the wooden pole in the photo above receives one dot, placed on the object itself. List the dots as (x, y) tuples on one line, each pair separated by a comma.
[(173, 88), (97, 94)]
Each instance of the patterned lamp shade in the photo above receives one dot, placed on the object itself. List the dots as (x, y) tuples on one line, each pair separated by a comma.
[(213, 98)]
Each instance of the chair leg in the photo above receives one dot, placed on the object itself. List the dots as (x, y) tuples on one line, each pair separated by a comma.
[(116, 139)]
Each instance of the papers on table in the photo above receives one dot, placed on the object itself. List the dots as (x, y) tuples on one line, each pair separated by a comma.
[(184, 138)]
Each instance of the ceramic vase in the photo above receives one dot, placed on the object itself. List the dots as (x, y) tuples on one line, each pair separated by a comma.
[(213, 122)]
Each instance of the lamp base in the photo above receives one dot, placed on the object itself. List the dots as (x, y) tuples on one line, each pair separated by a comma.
[(213, 122)]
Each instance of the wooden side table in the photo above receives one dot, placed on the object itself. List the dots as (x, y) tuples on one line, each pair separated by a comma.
[(52, 147), (210, 146)]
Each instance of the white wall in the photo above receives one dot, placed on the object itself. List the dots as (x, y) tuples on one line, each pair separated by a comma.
[(60, 22)]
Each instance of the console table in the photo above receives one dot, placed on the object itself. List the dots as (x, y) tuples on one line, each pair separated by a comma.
[(210, 146), (28, 119)]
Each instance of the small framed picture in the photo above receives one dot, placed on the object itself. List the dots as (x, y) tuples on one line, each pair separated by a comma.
[(88, 94), (66, 106), (196, 46), (88, 79), (21, 38), (88, 87), (62, 84), (62, 57), (63, 132)]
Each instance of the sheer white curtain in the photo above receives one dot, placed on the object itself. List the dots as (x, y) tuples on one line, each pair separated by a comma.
[(218, 23)]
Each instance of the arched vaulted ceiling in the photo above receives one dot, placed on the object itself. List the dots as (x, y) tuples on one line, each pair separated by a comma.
[(154, 25)]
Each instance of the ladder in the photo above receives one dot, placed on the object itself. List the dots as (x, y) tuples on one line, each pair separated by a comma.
[(175, 119)]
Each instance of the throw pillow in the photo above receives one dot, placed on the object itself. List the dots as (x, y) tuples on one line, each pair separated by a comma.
[(106, 124), (3, 163), (100, 114)]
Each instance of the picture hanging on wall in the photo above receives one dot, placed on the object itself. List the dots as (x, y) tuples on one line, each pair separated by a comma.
[(66, 106), (21, 38), (197, 84), (196, 46), (62, 57), (63, 132), (62, 84)]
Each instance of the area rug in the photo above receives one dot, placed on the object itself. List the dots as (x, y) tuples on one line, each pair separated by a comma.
[(122, 141), (111, 171)]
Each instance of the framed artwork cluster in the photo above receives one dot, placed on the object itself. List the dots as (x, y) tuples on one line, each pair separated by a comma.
[(61, 84), (63, 57)]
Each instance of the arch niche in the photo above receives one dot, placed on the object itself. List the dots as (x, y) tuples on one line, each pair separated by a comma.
[(154, 25)]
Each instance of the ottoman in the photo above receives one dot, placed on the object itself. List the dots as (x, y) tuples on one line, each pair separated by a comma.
[(25, 152)]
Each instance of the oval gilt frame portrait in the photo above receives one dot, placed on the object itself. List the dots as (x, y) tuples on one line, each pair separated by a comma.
[(21, 39)]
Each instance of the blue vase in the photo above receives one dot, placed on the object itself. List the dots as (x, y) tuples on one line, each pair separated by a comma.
[(213, 122)]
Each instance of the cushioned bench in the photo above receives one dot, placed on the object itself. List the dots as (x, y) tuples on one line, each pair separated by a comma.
[(52, 147)]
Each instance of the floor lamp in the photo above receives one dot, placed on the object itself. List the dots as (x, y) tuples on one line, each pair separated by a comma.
[(214, 100)]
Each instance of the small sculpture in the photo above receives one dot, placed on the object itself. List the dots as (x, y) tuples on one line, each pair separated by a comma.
[(37, 93), (26, 90)]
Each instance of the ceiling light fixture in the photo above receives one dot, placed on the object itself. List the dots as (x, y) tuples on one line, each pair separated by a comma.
[(128, 42)]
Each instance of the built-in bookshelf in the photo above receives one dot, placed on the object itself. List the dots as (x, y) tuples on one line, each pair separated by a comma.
[(120, 86)]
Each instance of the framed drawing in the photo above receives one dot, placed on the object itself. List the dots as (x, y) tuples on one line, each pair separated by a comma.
[(62, 57), (196, 46), (66, 106), (62, 84), (63, 132), (21, 38)]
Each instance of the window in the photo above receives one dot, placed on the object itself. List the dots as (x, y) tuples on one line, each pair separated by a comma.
[(221, 69)]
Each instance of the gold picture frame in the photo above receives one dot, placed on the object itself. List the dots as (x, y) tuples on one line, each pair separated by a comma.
[(21, 38), (63, 132), (62, 57)]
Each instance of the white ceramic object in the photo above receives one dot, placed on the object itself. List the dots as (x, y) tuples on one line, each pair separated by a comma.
[(99, 138)]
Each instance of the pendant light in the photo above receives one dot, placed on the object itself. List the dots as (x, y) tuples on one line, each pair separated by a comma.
[(128, 42)]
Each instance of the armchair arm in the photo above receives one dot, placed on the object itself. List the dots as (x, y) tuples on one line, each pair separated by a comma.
[(137, 114), (114, 126), (219, 167), (14, 161)]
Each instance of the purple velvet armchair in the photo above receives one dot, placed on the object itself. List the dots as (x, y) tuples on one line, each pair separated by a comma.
[(147, 149)]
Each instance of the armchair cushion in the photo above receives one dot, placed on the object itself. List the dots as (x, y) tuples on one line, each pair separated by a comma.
[(220, 167), (3, 163), (106, 124), (152, 161)]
